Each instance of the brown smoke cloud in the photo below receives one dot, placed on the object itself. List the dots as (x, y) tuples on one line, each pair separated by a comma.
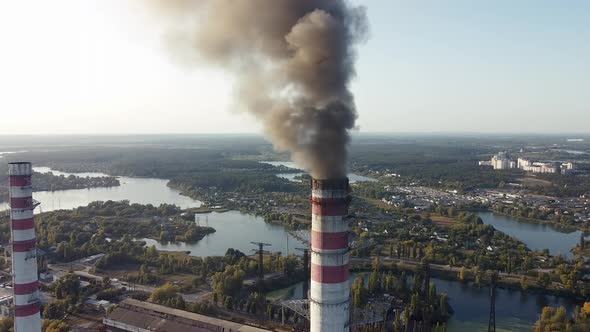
[(293, 61)]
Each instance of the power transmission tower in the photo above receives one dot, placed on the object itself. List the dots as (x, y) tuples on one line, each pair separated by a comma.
[(260, 252), (492, 321)]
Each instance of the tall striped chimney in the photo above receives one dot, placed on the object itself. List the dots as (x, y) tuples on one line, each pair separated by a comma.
[(330, 289), (24, 249)]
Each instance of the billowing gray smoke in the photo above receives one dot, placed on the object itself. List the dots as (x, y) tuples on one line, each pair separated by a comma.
[(293, 60)]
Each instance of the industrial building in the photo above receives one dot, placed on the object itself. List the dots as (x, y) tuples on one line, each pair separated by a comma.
[(140, 316)]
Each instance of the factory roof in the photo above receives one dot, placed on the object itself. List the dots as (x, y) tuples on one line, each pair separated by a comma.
[(149, 316)]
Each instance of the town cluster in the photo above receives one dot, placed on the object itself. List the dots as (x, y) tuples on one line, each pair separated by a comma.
[(502, 160)]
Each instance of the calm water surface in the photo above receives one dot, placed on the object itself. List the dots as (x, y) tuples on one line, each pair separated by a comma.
[(235, 230), (136, 190), (515, 311), (291, 176), (535, 236)]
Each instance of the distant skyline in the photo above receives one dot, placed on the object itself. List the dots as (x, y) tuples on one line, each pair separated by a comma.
[(99, 66)]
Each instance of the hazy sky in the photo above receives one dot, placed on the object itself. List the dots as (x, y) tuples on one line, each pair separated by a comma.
[(99, 66)]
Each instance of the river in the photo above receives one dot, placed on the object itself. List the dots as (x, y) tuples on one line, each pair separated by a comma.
[(535, 236)]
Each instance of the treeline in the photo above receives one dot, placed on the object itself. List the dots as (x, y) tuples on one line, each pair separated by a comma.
[(553, 319), (155, 161), (563, 185), (50, 182), (251, 181), (433, 163), (532, 214)]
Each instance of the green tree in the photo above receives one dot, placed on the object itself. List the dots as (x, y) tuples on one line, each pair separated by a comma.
[(49, 325), (432, 295), (229, 282), (402, 285), (389, 283), (106, 281), (229, 303), (544, 280), (68, 287), (169, 296), (55, 310), (360, 293), (463, 273), (374, 284), (552, 320), (523, 283)]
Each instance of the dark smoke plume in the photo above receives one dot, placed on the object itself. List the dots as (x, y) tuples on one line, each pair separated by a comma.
[(293, 61)]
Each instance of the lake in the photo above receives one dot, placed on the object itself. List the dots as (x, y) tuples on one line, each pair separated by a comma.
[(535, 236), (235, 230), (136, 190), (291, 176), (515, 311)]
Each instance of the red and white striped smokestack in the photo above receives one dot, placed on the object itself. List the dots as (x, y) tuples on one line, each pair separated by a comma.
[(24, 249), (330, 289)]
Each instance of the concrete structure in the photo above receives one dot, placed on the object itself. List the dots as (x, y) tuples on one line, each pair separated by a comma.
[(502, 161), (537, 167), (24, 249), (329, 300), (568, 168), (139, 316), (522, 163)]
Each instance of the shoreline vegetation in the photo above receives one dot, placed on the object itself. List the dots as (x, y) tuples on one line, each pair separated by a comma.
[(51, 182), (471, 278), (557, 225)]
